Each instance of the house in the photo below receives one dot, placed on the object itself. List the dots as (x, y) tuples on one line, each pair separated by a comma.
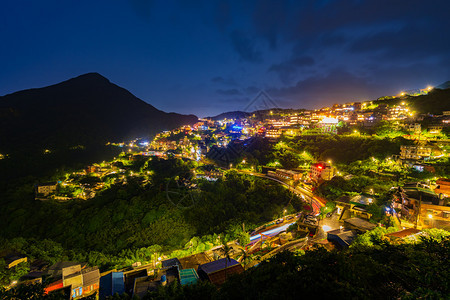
[(415, 152), (91, 280), (194, 261), (170, 263), (214, 174), (286, 174), (403, 233), (443, 187), (358, 224), (55, 270), (273, 133), (423, 208), (217, 271), (342, 238), (68, 278), (188, 276), (45, 189), (142, 285), (13, 260), (353, 206), (111, 283), (71, 276), (53, 286), (321, 171)]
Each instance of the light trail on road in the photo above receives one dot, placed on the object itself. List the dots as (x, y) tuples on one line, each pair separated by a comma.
[(270, 232)]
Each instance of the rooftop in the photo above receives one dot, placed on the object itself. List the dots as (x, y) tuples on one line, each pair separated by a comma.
[(217, 265), (343, 237), (404, 233), (188, 276), (358, 223)]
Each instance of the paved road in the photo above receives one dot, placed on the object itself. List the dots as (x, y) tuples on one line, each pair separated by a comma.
[(305, 194), (271, 232)]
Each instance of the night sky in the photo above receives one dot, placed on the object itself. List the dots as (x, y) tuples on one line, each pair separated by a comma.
[(207, 57)]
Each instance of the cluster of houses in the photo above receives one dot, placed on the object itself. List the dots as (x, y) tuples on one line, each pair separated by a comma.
[(75, 280), (422, 207)]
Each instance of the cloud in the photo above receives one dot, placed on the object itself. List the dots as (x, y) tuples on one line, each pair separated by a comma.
[(409, 42), (229, 92), (287, 69), (245, 47), (269, 19)]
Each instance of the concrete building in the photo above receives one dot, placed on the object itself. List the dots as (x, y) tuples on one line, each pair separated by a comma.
[(415, 152), (273, 133), (443, 187), (46, 189), (321, 171), (285, 174)]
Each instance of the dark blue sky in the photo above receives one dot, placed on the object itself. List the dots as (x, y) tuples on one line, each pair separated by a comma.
[(207, 57)]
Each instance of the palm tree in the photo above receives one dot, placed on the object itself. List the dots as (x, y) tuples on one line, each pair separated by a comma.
[(243, 257), (226, 250)]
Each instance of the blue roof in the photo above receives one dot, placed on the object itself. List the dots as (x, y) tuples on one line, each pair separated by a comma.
[(112, 283), (344, 237), (118, 284), (171, 263), (188, 276), (217, 265)]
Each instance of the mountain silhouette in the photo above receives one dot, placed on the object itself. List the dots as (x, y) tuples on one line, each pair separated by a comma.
[(83, 110)]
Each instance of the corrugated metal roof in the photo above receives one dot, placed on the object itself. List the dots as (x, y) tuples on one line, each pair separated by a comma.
[(221, 276), (90, 276), (170, 263), (118, 285), (188, 276), (112, 283), (217, 265)]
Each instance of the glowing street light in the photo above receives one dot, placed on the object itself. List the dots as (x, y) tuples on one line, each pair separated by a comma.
[(430, 216)]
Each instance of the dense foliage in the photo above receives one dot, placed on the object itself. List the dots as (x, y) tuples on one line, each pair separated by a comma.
[(125, 219), (291, 152)]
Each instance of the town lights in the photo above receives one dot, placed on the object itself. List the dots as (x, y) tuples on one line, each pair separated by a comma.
[(429, 88)]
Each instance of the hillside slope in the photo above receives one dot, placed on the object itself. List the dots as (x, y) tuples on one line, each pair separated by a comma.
[(88, 109)]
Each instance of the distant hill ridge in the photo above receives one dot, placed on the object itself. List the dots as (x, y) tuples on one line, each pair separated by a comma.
[(443, 86), (82, 110)]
